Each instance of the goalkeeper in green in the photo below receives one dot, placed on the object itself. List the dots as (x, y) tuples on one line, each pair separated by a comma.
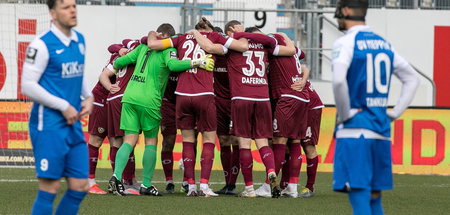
[(141, 104)]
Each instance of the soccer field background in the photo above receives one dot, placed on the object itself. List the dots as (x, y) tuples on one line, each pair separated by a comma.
[(412, 194)]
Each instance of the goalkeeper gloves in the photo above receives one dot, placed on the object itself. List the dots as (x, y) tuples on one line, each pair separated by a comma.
[(205, 62)]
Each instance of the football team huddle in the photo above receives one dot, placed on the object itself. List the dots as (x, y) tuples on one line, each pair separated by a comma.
[(239, 85)]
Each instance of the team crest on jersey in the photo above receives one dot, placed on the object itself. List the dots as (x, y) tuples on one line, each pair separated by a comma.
[(173, 55), (81, 47), (31, 55), (100, 130)]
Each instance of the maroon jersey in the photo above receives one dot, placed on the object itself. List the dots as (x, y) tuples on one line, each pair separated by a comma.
[(122, 75), (195, 81), (221, 81), (284, 71), (169, 93), (98, 88), (247, 70), (315, 101)]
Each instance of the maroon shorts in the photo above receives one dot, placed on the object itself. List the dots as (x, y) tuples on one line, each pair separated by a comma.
[(223, 107), (196, 112), (168, 124), (312, 132), (98, 119), (251, 119), (114, 112), (290, 118)]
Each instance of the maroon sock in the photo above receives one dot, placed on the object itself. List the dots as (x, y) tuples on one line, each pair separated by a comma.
[(267, 157), (112, 156), (206, 162), (234, 166), (279, 151), (189, 161), (93, 158), (128, 172), (167, 163), (246, 161), (225, 158), (311, 171), (285, 172), (295, 162)]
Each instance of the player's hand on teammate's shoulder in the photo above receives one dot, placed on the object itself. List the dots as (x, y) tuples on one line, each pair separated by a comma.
[(86, 107), (71, 115)]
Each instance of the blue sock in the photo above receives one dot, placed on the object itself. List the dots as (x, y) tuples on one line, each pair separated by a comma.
[(375, 205), (360, 201), (43, 204), (70, 203)]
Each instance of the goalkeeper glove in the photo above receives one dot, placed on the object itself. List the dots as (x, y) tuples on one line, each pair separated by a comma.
[(205, 62)]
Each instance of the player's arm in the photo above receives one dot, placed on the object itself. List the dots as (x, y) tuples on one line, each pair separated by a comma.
[(175, 65), (114, 48), (155, 44), (34, 66), (129, 58), (408, 76), (288, 49), (206, 44), (342, 56), (105, 80), (300, 84)]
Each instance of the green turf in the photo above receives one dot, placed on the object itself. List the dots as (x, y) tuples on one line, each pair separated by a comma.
[(413, 194)]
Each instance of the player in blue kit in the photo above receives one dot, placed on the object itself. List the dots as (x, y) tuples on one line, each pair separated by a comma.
[(363, 64), (53, 76)]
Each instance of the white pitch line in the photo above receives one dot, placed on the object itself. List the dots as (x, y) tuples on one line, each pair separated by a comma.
[(104, 181)]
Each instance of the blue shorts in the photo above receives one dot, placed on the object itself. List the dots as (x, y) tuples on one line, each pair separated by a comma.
[(363, 164), (60, 153)]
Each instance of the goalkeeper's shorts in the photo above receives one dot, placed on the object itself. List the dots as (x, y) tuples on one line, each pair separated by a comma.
[(135, 118)]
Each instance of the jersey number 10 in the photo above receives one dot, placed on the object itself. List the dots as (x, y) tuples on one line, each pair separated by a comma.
[(376, 65)]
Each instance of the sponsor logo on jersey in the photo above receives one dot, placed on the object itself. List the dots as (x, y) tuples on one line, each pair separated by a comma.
[(59, 51), (31, 55), (173, 55), (72, 69), (220, 69)]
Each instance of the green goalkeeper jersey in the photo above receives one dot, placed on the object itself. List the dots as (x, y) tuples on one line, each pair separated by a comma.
[(148, 82)]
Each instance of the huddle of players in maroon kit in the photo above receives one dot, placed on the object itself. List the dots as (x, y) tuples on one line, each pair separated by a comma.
[(258, 90)]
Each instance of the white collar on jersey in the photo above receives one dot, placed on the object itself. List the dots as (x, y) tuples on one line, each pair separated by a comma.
[(358, 28), (64, 39)]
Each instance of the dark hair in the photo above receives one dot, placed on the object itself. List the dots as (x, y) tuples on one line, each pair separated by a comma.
[(204, 24), (230, 24), (52, 3), (359, 7), (252, 29), (218, 29), (166, 28)]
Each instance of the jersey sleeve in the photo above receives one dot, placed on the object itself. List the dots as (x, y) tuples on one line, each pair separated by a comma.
[(258, 38), (114, 48), (36, 61), (170, 57), (342, 51), (131, 57)]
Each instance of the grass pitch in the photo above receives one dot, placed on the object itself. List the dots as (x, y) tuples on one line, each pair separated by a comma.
[(412, 194)]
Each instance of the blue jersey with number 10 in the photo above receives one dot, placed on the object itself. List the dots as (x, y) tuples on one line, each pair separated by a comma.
[(368, 79)]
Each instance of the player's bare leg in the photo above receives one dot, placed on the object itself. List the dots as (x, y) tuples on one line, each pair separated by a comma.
[(95, 142), (168, 144)]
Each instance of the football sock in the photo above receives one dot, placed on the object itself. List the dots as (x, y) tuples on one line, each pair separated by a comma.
[(267, 158), (189, 161), (311, 171), (167, 163), (226, 159), (70, 203), (360, 201), (122, 159), (235, 166), (279, 150), (148, 164), (93, 158), (246, 161), (43, 204), (112, 156), (376, 206), (127, 174), (295, 162), (206, 162), (285, 173)]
